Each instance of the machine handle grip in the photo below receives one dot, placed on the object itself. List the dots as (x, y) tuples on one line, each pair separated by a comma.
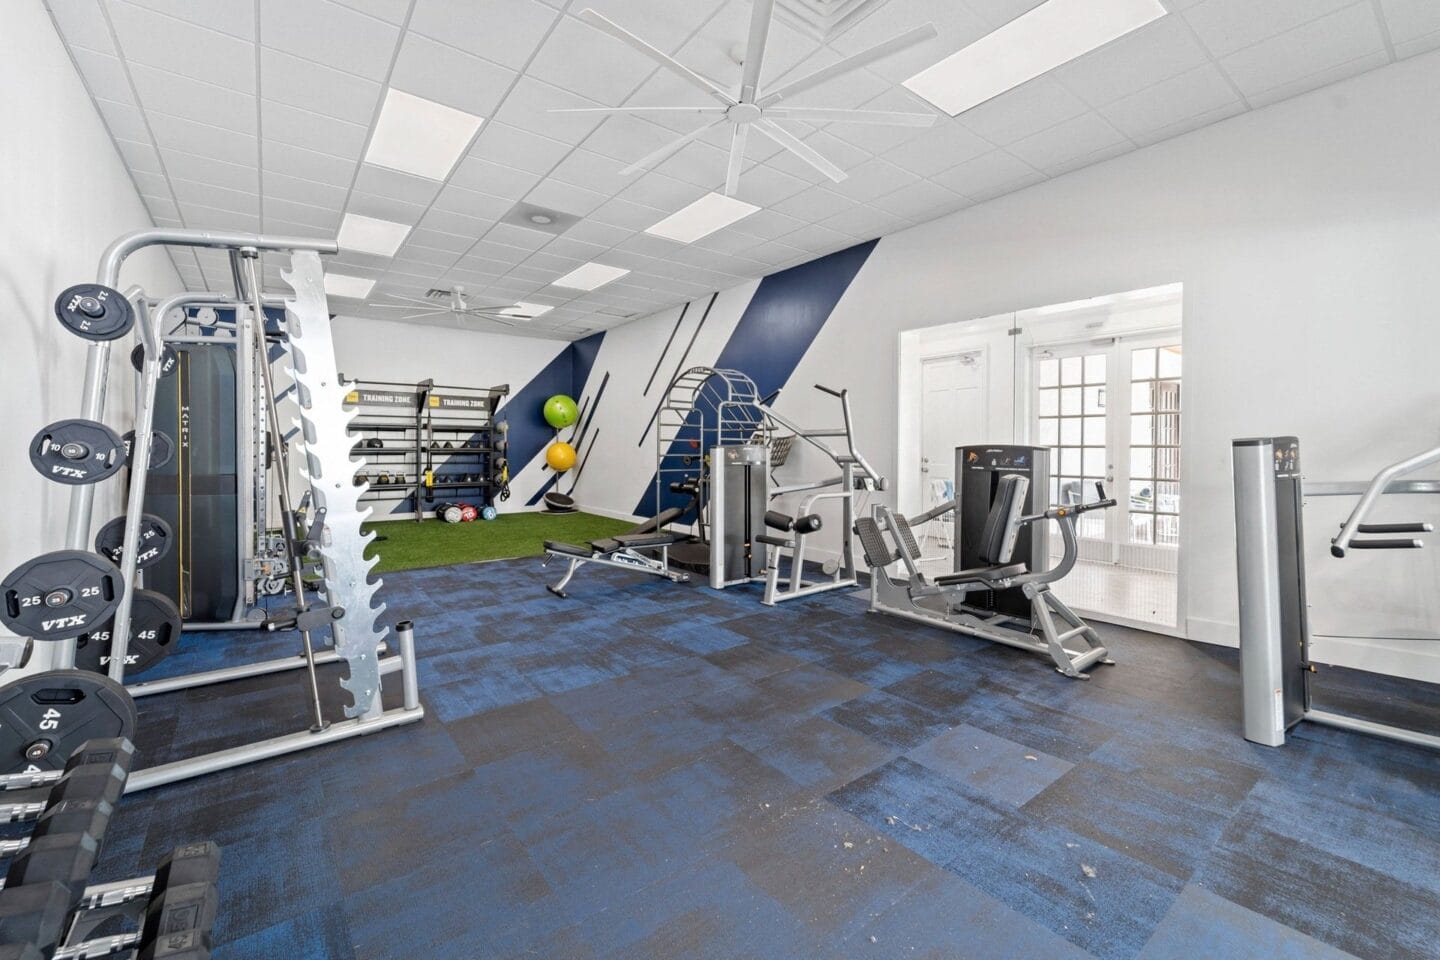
[(1395, 528), (834, 393), (1339, 551)]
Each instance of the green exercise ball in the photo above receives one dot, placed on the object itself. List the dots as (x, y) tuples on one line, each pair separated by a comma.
[(560, 411)]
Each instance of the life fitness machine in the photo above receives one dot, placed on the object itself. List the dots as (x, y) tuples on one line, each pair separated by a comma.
[(1276, 671), (1000, 590), (741, 492)]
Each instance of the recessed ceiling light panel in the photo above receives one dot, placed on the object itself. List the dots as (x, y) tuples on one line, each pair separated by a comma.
[(525, 311), (711, 212), (590, 276), (368, 235), (1032, 44), (419, 136), (355, 288)]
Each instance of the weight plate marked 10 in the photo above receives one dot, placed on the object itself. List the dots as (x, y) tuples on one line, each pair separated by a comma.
[(94, 311), (77, 451), (60, 595)]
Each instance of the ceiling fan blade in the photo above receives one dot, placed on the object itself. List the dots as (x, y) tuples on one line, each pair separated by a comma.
[(428, 313), (852, 63), (755, 48), (654, 157), (737, 159), (800, 148), (396, 296), (827, 115), (637, 110), (605, 25)]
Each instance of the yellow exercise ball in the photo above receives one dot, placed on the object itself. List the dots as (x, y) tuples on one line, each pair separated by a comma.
[(560, 456)]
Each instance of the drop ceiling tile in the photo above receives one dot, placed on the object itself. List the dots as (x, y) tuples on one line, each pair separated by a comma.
[(728, 241), (434, 246), (865, 222), (664, 25), (392, 11), (919, 201), (507, 40), (501, 252), (1088, 159), (494, 179), (810, 206), (384, 182), (290, 228), (775, 251), (872, 179), (161, 206), (140, 157), (323, 220), (938, 148), (601, 234), (226, 16), (1190, 124), (82, 24), (201, 139), (764, 186), (384, 207), (1028, 109), (308, 165), (200, 217), (1200, 91), (817, 239), (623, 213), (329, 33), (169, 93), (1324, 78), (847, 91), (770, 224), (1412, 48), (223, 173), (878, 138), (1156, 52), (662, 192), (472, 203), (104, 75), (151, 183), (545, 260), (1320, 45), (317, 88), (449, 76), (592, 171), (983, 175), (182, 47), (709, 51), (702, 164), (1087, 134), (1014, 186), (312, 131), (517, 149), (125, 121), (565, 198), (1227, 26), (513, 236), (573, 249), (956, 25), (456, 224), (1411, 19), (584, 61), (528, 107)]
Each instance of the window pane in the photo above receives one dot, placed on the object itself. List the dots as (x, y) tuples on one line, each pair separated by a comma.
[(1170, 361), (1167, 530), (1070, 461), (1049, 433), (1167, 463), (1069, 400), (1094, 399), (1054, 489), (1091, 526), (1142, 397), (1142, 430), (1094, 461), (1094, 431), (1049, 403), (1167, 429), (1167, 395), (1141, 462), (1049, 373), (1069, 490), (1070, 431), (1167, 497), (1142, 528), (1070, 371), (1095, 368), (1142, 364), (1142, 495)]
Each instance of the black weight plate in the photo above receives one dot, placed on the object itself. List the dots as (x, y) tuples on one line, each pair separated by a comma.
[(154, 540), (154, 629), (77, 451), (162, 448), (60, 595), (169, 359), (45, 717), (94, 311)]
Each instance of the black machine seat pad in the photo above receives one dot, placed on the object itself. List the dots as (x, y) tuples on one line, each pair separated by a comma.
[(981, 574), (570, 549), (660, 539)]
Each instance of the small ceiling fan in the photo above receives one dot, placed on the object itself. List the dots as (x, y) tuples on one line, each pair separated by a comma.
[(754, 108), (457, 305)]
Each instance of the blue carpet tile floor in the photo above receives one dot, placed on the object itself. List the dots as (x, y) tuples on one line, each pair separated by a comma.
[(651, 770)]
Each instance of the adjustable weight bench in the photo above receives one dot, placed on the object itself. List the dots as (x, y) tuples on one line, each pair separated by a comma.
[(644, 548)]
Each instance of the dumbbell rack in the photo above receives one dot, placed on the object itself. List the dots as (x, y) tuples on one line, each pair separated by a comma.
[(350, 618), (394, 415)]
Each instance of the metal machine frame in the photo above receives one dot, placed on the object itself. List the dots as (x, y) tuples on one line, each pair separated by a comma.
[(357, 637), (1275, 667)]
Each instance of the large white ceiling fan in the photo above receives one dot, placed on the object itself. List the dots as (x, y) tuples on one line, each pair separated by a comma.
[(458, 306), (753, 107)]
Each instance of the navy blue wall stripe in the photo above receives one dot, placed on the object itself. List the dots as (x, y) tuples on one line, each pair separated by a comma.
[(679, 366), (780, 322), (661, 359), (575, 474), (524, 410)]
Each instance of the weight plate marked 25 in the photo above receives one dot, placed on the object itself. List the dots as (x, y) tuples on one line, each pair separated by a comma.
[(60, 595), (154, 540)]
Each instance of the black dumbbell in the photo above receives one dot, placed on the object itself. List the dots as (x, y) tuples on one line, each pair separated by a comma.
[(94, 781), (178, 921), (35, 915), (64, 858), (77, 815), (192, 863)]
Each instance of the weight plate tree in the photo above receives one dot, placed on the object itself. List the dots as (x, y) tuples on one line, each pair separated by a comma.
[(77, 451), (154, 629), (60, 595), (94, 311), (44, 717), (155, 538)]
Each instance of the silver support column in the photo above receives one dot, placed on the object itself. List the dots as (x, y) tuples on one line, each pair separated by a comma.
[(1262, 678)]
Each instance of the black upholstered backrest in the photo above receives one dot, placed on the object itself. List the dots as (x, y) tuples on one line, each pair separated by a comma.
[(1002, 523)]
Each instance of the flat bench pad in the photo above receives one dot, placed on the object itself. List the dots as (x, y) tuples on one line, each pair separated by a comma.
[(569, 549), (660, 539)]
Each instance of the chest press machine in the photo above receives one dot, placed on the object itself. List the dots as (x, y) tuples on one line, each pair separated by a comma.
[(1001, 599)]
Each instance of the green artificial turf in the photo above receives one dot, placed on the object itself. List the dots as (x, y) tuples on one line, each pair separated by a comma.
[(408, 545)]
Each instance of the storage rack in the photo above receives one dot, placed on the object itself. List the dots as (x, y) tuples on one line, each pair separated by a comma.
[(415, 421)]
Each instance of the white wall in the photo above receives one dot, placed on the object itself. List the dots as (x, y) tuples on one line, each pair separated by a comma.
[(67, 195), (1306, 235)]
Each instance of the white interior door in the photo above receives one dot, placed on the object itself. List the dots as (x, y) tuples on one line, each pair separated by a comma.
[(952, 414)]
